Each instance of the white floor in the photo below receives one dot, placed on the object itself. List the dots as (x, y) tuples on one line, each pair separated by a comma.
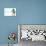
[(7, 45)]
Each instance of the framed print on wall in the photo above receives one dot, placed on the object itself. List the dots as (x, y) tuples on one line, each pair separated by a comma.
[(9, 11)]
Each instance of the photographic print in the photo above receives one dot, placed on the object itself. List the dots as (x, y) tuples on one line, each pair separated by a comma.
[(9, 11)]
